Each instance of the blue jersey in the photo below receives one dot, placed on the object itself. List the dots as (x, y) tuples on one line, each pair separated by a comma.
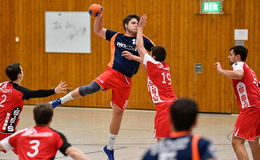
[(181, 148), (119, 43)]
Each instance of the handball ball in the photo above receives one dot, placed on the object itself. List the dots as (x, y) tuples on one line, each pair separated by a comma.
[(95, 10)]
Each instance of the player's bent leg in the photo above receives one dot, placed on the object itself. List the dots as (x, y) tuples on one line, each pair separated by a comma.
[(76, 93), (239, 148), (89, 89), (55, 103), (255, 148)]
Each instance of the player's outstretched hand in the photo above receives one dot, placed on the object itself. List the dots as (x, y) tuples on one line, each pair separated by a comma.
[(61, 88), (142, 21), (127, 55), (218, 66)]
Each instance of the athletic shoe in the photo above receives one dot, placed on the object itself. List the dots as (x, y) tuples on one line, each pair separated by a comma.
[(109, 153), (55, 103)]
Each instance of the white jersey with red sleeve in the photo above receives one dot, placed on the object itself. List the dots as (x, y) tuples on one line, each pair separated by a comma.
[(159, 80), (246, 90)]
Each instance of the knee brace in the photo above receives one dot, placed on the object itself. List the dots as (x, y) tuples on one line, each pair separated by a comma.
[(89, 89)]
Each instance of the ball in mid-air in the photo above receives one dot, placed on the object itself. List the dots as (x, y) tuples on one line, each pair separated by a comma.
[(95, 10)]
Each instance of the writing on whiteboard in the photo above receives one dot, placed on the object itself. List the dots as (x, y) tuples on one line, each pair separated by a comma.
[(67, 32)]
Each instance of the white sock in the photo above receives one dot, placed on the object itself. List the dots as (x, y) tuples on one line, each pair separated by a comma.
[(66, 98), (111, 141)]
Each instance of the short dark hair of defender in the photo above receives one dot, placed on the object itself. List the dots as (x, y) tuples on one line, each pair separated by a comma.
[(12, 71), (42, 113), (240, 50), (183, 114), (159, 53), (128, 18)]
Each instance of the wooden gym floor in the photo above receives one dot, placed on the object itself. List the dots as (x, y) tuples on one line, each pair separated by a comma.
[(87, 129)]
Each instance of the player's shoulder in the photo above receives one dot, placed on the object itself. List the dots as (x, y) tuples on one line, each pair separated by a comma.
[(6, 87), (5, 83), (54, 130), (147, 39), (236, 64), (206, 147), (239, 66), (166, 66), (19, 133), (58, 133), (150, 61), (110, 33), (204, 141)]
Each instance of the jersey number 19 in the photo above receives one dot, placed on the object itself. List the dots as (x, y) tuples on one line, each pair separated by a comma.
[(166, 78)]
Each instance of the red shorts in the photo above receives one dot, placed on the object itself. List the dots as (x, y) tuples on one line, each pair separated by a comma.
[(162, 125), (248, 124), (120, 85)]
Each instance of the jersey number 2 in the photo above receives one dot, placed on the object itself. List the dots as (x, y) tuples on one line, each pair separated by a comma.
[(35, 145), (166, 77), (1, 103)]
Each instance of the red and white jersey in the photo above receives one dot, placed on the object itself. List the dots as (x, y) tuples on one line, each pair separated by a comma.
[(159, 80), (11, 105), (36, 143), (12, 96), (246, 89)]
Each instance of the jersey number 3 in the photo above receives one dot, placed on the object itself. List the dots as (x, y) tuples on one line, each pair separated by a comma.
[(35, 145)]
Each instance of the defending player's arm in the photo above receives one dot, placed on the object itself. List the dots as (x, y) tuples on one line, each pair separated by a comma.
[(67, 149), (9, 143), (236, 74), (139, 40), (76, 154), (98, 28), (5, 145), (27, 93), (139, 43)]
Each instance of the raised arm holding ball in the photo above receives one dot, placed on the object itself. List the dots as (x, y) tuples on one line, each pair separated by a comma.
[(117, 75)]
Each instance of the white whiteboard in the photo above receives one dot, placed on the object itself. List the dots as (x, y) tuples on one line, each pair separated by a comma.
[(67, 32)]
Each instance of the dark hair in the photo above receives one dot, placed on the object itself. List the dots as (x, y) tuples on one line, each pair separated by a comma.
[(42, 113), (128, 18), (240, 50), (12, 71), (159, 53), (183, 114)]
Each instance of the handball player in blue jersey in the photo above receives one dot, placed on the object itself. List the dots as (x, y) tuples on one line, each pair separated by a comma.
[(182, 144), (117, 75)]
